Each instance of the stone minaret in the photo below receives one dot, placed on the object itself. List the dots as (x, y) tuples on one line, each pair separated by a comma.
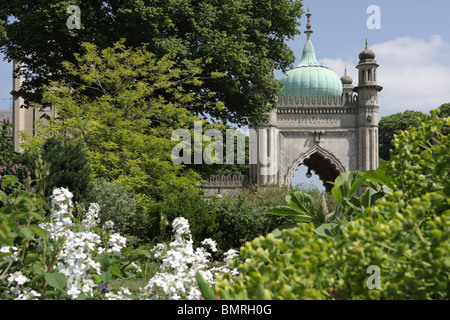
[(367, 90), (347, 87)]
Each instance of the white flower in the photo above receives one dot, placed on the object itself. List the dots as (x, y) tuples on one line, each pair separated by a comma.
[(176, 277), (211, 243), (73, 292), (108, 224), (116, 243), (7, 249), (135, 266), (91, 218), (18, 277)]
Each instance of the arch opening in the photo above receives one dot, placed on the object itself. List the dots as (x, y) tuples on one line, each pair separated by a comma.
[(301, 179), (323, 166)]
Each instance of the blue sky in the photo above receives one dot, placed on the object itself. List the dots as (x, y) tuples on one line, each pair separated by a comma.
[(412, 48)]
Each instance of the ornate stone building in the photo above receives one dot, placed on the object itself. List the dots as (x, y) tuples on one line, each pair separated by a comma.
[(24, 119), (322, 121)]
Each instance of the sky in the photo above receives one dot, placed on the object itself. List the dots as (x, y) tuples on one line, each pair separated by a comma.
[(411, 43)]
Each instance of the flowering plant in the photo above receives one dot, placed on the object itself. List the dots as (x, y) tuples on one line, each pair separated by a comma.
[(180, 262), (59, 257)]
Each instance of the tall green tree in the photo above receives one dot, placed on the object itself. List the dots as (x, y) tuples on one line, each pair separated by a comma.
[(246, 40), (390, 125), (444, 110), (118, 111), (59, 165)]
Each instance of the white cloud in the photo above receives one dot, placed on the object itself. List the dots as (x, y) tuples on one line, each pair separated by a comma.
[(414, 73), (339, 66)]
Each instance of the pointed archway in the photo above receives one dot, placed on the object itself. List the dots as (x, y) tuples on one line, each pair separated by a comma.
[(323, 167), (317, 159)]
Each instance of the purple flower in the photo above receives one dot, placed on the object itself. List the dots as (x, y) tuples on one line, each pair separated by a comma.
[(103, 287)]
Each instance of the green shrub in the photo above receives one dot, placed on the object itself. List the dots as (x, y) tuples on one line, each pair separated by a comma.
[(290, 267), (243, 217), (402, 230), (66, 165), (6, 144), (411, 248), (420, 157), (155, 218), (117, 204)]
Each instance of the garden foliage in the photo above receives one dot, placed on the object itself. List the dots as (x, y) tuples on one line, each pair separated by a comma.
[(6, 145), (404, 232), (55, 256)]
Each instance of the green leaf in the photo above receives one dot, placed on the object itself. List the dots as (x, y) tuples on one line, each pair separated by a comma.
[(303, 218), (338, 195), (277, 232), (283, 211), (302, 201), (43, 233), (381, 218), (354, 203), (27, 232), (106, 276), (326, 229), (8, 180), (357, 184), (104, 260), (31, 257), (366, 198), (379, 176), (145, 253), (56, 280), (97, 279), (116, 271), (3, 197), (205, 288)]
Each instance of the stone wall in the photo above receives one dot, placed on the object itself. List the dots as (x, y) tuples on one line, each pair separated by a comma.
[(223, 184)]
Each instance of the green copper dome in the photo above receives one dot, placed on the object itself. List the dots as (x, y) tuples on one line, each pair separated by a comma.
[(309, 78)]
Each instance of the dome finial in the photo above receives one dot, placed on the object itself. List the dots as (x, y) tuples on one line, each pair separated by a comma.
[(308, 25), (366, 53)]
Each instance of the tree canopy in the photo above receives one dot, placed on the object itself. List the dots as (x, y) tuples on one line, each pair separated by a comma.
[(392, 124), (244, 38), (118, 110)]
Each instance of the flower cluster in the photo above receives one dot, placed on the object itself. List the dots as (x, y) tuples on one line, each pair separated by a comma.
[(91, 219), (16, 281), (77, 257), (79, 254), (18, 170), (180, 262), (116, 243)]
